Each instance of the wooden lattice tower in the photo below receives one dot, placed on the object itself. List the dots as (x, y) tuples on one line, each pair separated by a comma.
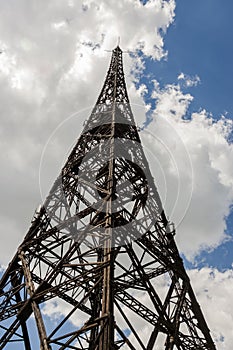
[(102, 249)]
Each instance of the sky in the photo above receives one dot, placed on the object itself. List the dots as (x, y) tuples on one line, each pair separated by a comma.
[(53, 63)]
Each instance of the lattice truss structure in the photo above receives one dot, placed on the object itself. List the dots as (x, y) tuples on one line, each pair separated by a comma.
[(102, 250)]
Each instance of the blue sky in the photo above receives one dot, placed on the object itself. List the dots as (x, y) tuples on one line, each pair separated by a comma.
[(199, 42), (49, 70)]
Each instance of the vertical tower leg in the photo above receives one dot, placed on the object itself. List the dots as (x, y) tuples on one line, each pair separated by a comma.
[(107, 324), (15, 281), (35, 308)]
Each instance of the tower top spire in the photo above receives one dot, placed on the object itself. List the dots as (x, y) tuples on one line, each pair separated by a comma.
[(114, 88)]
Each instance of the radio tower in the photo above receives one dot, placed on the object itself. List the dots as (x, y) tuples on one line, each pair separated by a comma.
[(102, 250)]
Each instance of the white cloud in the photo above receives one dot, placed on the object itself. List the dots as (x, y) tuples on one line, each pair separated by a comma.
[(57, 308), (214, 293), (170, 101), (212, 288), (191, 159), (53, 64), (189, 81)]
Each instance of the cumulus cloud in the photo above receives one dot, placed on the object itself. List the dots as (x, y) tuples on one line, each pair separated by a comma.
[(213, 290), (52, 65), (191, 161), (189, 81)]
